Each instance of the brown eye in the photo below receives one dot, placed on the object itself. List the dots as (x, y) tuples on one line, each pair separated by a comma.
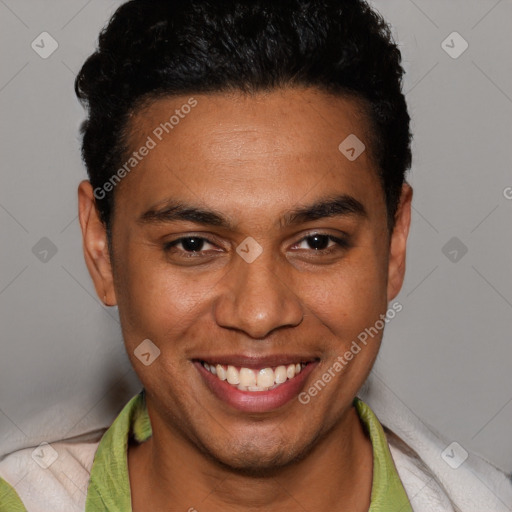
[(318, 242), (323, 243), (189, 244)]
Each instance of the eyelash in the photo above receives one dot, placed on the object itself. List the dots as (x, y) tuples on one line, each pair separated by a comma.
[(341, 244)]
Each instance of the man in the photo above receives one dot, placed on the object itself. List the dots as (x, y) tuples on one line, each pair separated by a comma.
[(247, 211)]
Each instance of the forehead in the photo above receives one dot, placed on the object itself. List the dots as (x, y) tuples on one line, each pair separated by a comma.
[(267, 149), (278, 121)]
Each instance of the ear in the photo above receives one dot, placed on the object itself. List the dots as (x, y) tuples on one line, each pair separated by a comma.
[(398, 243), (94, 236)]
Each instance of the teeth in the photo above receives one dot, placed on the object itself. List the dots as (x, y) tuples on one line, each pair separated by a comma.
[(265, 378), (221, 373), (256, 388), (247, 379), (232, 375), (280, 374)]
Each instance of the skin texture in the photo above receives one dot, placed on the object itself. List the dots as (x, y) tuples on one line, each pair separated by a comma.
[(253, 159)]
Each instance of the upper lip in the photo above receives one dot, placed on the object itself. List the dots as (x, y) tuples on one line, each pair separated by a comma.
[(254, 362)]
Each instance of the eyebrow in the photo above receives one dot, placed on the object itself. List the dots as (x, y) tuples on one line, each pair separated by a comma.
[(176, 211)]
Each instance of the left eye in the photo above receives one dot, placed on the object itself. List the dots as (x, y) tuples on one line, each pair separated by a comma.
[(321, 242)]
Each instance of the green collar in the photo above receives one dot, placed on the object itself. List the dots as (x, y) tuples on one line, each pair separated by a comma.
[(109, 484), (388, 493)]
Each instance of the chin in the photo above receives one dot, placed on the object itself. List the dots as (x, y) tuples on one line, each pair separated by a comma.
[(257, 459)]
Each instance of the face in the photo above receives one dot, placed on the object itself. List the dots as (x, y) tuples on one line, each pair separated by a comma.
[(246, 240)]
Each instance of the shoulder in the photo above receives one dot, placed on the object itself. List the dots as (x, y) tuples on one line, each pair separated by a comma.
[(59, 476), (49, 476), (437, 474), (474, 486)]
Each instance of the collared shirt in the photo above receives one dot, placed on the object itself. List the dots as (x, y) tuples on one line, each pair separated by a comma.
[(109, 484)]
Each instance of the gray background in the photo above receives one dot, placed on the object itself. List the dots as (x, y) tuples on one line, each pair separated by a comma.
[(447, 355)]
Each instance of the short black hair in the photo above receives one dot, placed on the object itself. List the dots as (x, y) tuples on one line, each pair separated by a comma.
[(155, 48)]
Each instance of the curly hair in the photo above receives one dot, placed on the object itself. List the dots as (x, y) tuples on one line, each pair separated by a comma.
[(155, 48)]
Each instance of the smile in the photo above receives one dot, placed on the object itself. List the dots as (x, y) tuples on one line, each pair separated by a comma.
[(255, 385), (254, 380)]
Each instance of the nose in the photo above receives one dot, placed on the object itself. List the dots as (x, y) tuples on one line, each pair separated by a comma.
[(257, 298)]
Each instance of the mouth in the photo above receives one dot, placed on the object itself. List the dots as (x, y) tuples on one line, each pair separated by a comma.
[(255, 384), (255, 381)]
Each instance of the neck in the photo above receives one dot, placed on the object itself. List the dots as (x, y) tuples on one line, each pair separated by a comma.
[(336, 475)]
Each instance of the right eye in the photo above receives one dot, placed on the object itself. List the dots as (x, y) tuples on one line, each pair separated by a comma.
[(191, 246)]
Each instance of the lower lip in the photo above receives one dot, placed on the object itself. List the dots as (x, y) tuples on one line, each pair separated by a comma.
[(255, 401)]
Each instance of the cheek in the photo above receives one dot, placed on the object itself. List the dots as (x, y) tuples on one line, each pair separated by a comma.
[(155, 301), (351, 298), (350, 315)]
